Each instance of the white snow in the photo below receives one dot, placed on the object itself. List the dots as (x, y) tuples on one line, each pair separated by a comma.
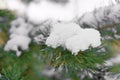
[(72, 37), (41, 10), (17, 42), (89, 19), (90, 5), (83, 40), (44, 10), (17, 6), (19, 33), (61, 32), (20, 27)]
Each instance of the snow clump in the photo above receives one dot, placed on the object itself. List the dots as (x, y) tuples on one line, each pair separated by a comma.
[(72, 37), (19, 36), (17, 42)]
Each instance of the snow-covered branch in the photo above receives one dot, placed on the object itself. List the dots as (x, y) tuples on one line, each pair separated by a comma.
[(101, 18), (19, 36)]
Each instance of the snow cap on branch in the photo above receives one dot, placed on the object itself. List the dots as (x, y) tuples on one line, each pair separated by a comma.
[(83, 40), (17, 42), (72, 37), (61, 32), (19, 36)]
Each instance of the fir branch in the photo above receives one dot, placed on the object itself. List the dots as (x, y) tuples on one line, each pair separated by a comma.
[(101, 18)]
